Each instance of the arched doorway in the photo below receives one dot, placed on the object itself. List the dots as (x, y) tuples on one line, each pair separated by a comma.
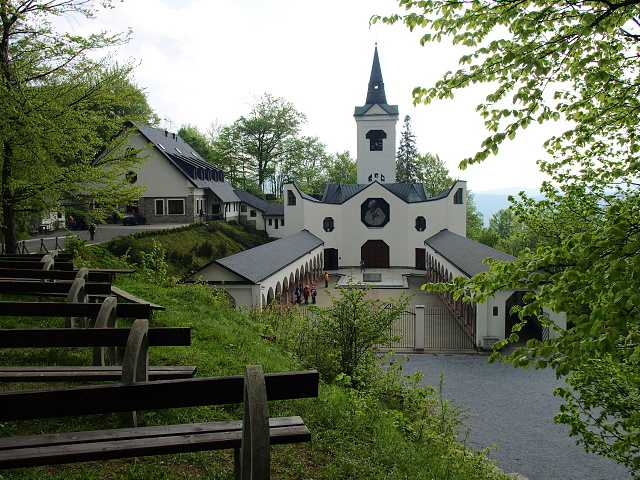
[(533, 328), (375, 254)]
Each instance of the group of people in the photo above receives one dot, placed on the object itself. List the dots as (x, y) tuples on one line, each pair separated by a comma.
[(305, 293), (309, 291)]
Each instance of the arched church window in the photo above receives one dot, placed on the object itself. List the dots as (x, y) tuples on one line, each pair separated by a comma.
[(375, 138), (421, 224), (327, 224), (291, 197)]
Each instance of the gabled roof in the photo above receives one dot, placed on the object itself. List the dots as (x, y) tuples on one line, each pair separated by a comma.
[(465, 254), (270, 209), (408, 192), (259, 263), (195, 168)]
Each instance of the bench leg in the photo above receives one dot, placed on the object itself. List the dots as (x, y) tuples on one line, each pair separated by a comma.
[(256, 442)]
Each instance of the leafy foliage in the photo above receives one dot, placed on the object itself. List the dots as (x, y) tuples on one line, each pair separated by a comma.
[(577, 62), (59, 104), (349, 330)]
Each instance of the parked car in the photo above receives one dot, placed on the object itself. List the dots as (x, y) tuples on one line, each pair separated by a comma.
[(133, 219)]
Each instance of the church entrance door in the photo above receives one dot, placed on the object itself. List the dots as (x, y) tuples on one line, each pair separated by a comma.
[(330, 258), (375, 254)]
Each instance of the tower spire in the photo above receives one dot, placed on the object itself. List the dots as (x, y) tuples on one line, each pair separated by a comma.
[(375, 92)]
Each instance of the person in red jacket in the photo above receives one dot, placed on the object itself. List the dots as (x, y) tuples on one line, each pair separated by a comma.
[(305, 294)]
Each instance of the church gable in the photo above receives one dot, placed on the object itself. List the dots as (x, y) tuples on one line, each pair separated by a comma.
[(375, 110)]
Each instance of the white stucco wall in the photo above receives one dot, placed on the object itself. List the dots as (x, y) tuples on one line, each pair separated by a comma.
[(399, 233), (381, 162)]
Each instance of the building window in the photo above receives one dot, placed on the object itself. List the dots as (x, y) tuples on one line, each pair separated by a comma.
[(327, 224), (291, 197), (421, 224), (375, 138), (457, 198), (160, 207), (252, 213), (281, 222), (495, 311), (243, 208), (270, 221), (175, 207), (276, 225), (132, 177)]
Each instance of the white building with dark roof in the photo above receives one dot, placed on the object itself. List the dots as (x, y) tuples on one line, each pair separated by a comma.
[(181, 186), (255, 277)]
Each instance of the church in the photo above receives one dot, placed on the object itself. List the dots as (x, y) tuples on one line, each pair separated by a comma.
[(376, 223)]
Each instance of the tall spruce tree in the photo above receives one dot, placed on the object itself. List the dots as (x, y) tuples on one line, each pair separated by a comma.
[(407, 157)]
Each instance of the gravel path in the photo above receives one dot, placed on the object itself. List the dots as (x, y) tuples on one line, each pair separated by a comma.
[(514, 409)]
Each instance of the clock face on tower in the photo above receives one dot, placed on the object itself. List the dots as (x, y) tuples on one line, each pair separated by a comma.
[(374, 212)]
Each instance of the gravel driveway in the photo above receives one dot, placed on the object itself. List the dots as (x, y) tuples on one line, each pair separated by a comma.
[(514, 409)]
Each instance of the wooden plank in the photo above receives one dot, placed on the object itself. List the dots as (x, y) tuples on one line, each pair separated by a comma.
[(91, 436), (64, 309), (94, 275), (75, 447), (26, 287), (127, 296), (89, 337), (89, 374), (85, 400), (22, 264)]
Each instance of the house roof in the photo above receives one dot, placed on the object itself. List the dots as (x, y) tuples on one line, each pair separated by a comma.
[(195, 168), (465, 254), (409, 192), (270, 209), (259, 263)]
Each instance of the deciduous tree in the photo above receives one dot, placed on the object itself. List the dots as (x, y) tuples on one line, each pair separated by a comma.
[(575, 61), (58, 104)]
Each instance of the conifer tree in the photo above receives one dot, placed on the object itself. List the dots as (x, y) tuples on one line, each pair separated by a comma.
[(406, 159)]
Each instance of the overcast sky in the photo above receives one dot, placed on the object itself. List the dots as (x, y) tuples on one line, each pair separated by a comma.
[(203, 61)]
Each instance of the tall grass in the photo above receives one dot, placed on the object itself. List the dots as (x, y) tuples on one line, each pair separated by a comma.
[(395, 429)]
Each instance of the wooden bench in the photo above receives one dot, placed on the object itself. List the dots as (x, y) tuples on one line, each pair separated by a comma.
[(250, 438), (135, 361), (30, 273)]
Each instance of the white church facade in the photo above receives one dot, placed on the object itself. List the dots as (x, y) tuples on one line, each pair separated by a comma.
[(377, 223)]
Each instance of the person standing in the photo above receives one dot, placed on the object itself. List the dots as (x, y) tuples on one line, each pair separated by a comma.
[(305, 294), (362, 265), (326, 280), (298, 294), (314, 292), (92, 230)]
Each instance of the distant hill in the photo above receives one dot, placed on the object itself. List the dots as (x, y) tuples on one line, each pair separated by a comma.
[(490, 201)]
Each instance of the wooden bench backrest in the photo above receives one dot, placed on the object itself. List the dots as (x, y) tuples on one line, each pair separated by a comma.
[(23, 264), (94, 276), (64, 309), (26, 287), (89, 337), (192, 392)]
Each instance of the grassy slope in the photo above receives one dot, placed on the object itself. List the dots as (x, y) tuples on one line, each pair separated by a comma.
[(354, 437)]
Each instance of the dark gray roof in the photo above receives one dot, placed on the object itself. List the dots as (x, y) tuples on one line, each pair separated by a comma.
[(259, 263), (375, 91), (270, 209), (466, 254), (408, 192), (195, 168)]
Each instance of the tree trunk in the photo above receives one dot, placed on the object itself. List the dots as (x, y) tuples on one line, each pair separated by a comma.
[(8, 208)]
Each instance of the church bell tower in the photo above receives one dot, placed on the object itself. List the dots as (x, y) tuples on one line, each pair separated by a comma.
[(376, 130)]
